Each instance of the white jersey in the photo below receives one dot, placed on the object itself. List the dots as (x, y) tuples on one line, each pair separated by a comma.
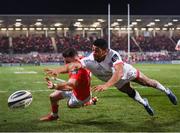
[(105, 69), (178, 45)]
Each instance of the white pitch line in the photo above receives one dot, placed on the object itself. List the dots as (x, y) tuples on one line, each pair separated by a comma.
[(3, 91), (174, 86), (40, 90), (150, 69), (27, 72), (46, 90), (18, 68), (36, 82), (39, 82)]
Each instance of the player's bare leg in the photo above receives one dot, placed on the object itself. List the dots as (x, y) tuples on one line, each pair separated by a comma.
[(146, 81), (54, 98), (136, 96)]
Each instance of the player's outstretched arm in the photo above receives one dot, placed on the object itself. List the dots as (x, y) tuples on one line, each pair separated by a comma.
[(67, 86), (117, 75), (63, 69), (51, 72), (64, 86)]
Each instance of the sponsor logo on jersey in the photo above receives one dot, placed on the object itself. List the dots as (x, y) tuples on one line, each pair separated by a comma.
[(114, 58), (74, 71)]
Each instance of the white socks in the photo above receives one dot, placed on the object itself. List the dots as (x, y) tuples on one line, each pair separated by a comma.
[(162, 88), (139, 98), (54, 114), (159, 86)]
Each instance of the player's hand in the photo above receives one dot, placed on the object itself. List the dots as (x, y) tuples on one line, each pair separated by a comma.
[(51, 72), (49, 83), (99, 88)]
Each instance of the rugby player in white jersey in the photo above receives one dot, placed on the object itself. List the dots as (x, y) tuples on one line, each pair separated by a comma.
[(178, 46), (107, 65)]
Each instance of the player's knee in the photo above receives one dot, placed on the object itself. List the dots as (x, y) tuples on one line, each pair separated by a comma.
[(155, 82), (152, 83), (51, 97), (132, 93), (54, 97), (72, 105), (149, 82)]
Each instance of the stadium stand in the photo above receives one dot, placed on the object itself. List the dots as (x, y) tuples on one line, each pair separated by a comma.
[(45, 45)]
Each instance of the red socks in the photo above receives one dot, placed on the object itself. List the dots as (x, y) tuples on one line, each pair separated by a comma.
[(54, 108)]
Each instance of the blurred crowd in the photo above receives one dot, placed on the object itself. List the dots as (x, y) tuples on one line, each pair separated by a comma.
[(57, 57), (42, 44), (145, 44), (78, 42), (19, 49), (30, 58), (23, 44), (4, 44)]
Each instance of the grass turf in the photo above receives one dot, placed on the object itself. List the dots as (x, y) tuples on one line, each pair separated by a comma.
[(114, 112)]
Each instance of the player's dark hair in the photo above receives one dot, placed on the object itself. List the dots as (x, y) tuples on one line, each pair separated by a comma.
[(101, 43), (69, 52)]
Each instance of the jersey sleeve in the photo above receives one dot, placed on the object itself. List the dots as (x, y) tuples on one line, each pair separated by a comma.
[(86, 61)]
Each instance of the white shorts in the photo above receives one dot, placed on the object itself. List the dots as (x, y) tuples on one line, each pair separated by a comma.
[(130, 73), (72, 100)]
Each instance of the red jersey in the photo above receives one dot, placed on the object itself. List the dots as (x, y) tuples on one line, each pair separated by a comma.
[(82, 75)]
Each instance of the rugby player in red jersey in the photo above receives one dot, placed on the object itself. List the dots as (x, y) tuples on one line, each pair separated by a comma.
[(76, 89)]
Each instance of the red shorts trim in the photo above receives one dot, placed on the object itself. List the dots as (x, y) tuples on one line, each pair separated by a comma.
[(138, 74)]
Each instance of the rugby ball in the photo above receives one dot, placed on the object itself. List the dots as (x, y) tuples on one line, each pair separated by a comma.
[(20, 99)]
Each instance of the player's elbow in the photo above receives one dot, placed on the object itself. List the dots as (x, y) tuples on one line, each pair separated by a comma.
[(120, 76)]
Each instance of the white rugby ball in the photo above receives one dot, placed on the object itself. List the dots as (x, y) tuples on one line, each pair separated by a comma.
[(20, 99)]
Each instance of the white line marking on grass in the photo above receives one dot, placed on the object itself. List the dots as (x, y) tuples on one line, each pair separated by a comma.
[(150, 69), (19, 68), (172, 86), (40, 82), (28, 72), (46, 90), (3, 91)]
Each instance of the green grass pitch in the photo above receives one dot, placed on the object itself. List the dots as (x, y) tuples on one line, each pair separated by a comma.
[(114, 112)]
